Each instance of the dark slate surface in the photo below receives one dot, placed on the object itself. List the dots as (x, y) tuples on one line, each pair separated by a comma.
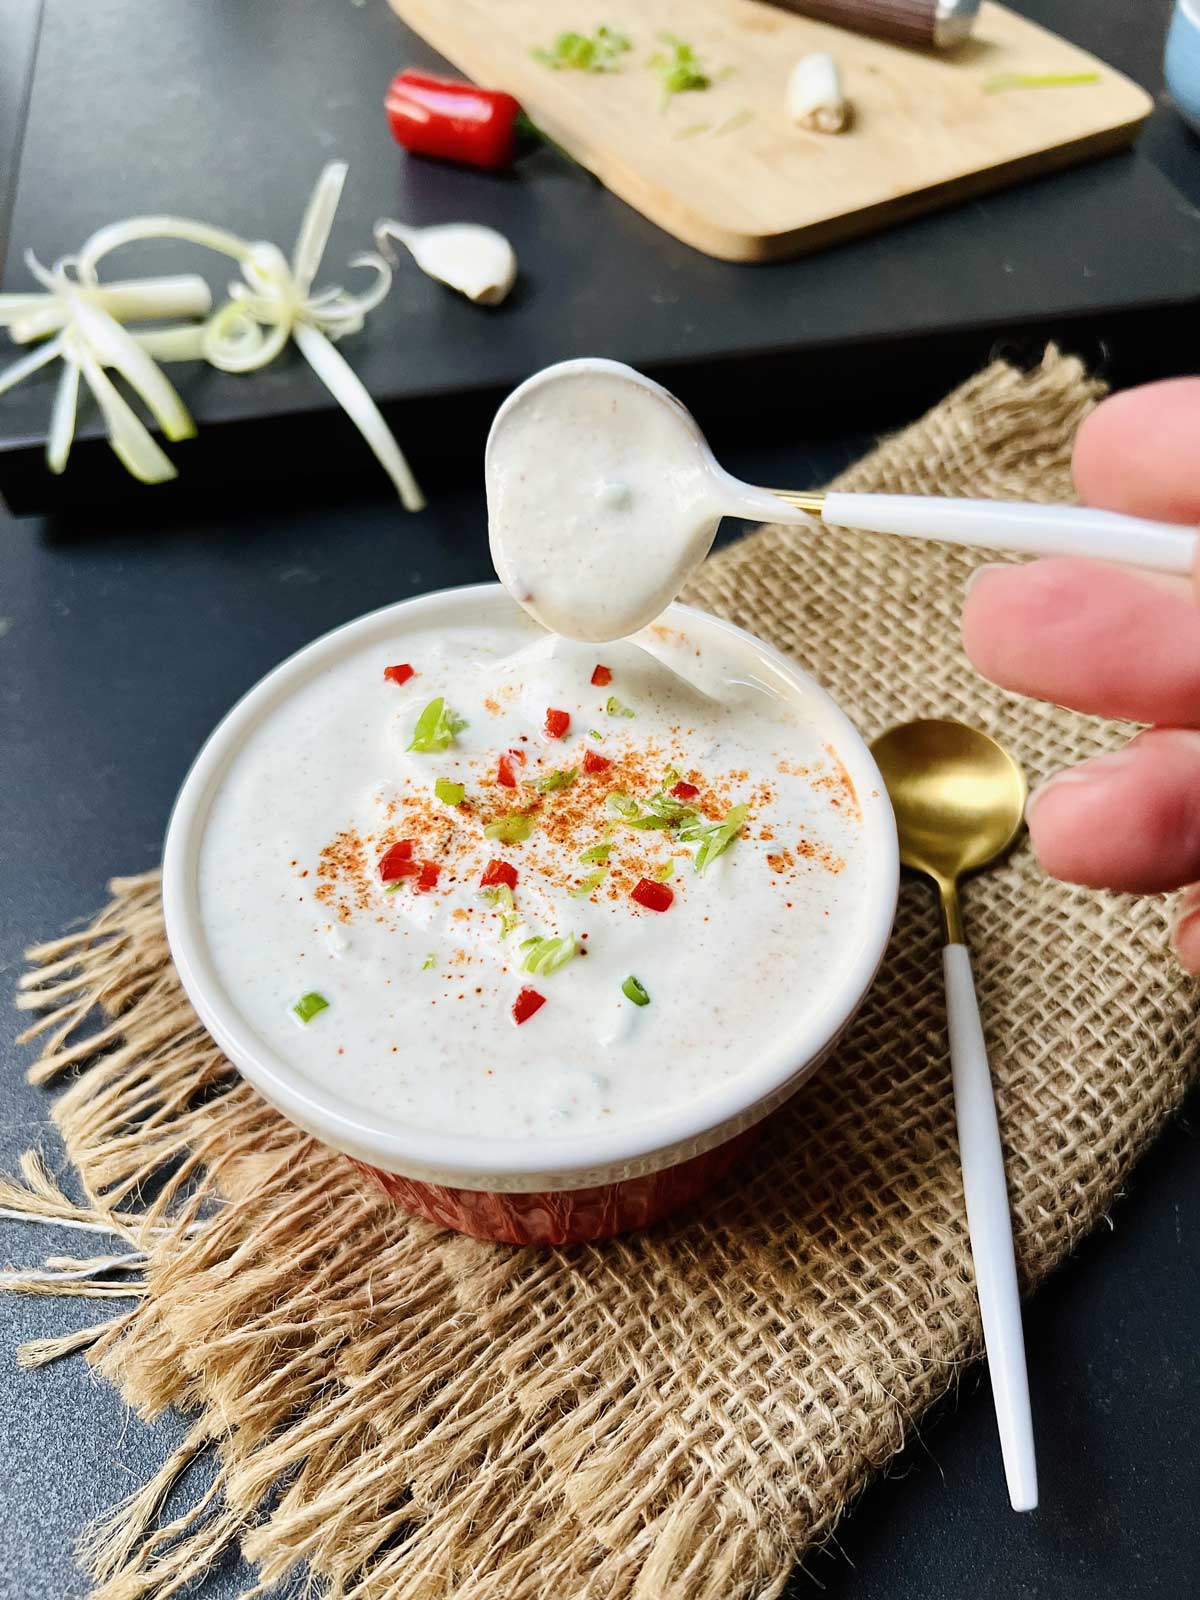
[(122, 644), (227, 112)]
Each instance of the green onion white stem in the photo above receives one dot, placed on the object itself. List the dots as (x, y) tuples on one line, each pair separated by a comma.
[(814, 94)]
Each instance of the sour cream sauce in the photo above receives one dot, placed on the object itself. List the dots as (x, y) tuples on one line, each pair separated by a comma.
[(420, 986), (602, 498)]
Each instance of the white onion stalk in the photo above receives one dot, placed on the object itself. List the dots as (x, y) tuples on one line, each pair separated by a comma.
[(89, 338), (275, 302), (814, 94)]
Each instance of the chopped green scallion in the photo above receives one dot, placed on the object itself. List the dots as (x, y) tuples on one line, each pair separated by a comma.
[(633, 990), (598, 852), (714, 838), (615, 709), (513, 828), (436, 728), (547, 955), (665, 872), (594, 733), (310, 1005), (500, 897), (582, 52), (429, 961), (1037, 80), (560, 778), (680, 70), (452, 794), (589, 885)]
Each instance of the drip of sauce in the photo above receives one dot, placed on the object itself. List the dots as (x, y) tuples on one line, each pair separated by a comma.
[(602, 499)]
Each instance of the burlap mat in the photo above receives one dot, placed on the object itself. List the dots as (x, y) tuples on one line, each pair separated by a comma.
[(404, 1413)]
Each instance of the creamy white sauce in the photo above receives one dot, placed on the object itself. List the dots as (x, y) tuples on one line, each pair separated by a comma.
[(602, 498), (743, 950)]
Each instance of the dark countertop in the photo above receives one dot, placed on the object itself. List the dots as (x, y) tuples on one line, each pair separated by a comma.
[(123, 641)]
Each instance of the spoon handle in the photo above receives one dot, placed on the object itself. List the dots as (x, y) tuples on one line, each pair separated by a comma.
[(1032, 530), (990, 1228)]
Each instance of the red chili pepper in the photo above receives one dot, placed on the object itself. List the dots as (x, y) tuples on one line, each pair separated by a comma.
[(453, 120), (602, 677), (505, 774), (428, 878), (499, 872), (594, 763), (557, 723), (685, 791), (397, 862), (654, 896), (400, 674), (526, 1003)]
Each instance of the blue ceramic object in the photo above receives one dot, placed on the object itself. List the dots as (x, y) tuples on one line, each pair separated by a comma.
[(1183, 60)]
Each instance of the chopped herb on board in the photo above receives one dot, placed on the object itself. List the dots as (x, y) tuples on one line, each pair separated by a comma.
[(678, 67), (1037, 80), (601, 51)]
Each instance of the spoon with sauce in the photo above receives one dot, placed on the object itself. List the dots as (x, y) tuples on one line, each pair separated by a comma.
[(603, 496), (959, 798)]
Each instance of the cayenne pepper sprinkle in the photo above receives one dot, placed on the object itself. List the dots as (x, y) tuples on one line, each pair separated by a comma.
[(526, 1003), (400, 674), (654, 896)]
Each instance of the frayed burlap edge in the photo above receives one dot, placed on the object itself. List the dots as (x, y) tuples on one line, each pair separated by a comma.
[(407, 1414)]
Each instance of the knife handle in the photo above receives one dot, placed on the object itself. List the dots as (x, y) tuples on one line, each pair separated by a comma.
[(937, 24)]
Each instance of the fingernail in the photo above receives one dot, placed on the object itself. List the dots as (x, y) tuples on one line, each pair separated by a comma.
[(1097, 769), (974, 577)]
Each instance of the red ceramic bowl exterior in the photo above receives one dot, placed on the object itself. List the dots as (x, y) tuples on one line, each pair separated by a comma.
[(564, 1216)]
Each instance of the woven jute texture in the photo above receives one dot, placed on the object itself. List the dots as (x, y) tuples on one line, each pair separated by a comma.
[(405, 1413)]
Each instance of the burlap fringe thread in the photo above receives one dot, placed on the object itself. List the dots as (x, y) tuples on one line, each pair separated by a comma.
[(407, 1414)]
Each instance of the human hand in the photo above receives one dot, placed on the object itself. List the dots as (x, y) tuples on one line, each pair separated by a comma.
[(1115, 642)]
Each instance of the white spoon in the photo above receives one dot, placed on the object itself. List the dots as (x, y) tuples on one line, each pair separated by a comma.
[(603, 495)]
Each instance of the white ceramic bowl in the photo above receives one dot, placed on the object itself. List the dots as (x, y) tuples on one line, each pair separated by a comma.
[(558, 1187)]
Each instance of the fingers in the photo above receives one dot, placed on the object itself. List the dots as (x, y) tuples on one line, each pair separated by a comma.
[(1129, 820), (1099, 638), (1137, 452)]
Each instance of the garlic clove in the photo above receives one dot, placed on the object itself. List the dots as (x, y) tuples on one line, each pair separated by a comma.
[(476, 261)]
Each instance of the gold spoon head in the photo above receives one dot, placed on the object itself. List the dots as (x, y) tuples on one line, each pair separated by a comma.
[(959, 797)]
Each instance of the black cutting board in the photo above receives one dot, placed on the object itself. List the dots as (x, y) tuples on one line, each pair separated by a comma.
[(226, 111)]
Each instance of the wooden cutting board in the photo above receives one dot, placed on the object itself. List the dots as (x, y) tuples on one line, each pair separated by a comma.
[(724, 170)]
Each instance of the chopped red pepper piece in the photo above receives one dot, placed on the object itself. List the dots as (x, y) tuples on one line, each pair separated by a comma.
[(428, 878), (595, 763), (654, 896), (505, 774), (685, 791), (499, 872), (602, 677), (456, 121), (557, 723), (400, 674), (526, 1003), (397, 862)]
